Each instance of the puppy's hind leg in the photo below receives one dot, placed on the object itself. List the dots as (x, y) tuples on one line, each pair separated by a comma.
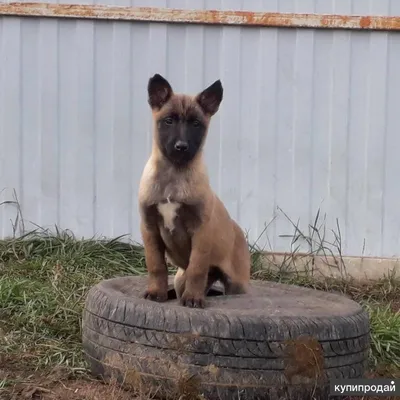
[(232, 287), (214, 275), (236, 275), (237, 271), (179, 282)]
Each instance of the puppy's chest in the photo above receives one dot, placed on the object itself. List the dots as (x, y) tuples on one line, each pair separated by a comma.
[(178, 217), (174, 206), (168, 212)]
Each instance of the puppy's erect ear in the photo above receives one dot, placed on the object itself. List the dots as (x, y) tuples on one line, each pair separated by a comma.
[(210, 98), (159, 91)]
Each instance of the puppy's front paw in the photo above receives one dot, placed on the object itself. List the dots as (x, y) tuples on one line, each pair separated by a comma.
[(191, 300), (156, 295)]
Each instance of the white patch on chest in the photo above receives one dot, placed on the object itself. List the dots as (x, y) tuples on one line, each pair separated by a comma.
[(168, 212)]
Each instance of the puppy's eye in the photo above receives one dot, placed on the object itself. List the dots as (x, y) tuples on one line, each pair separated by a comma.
[(196, 123), (168, 121)]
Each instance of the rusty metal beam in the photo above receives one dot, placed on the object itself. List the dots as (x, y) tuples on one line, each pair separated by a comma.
[(214, 17)]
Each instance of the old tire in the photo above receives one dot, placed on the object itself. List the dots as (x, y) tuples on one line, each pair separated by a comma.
[(277, 342)]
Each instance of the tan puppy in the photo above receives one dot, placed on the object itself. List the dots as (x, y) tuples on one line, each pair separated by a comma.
[(181, 217)]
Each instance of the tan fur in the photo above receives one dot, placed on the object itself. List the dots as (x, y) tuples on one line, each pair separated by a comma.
[(216, 241)]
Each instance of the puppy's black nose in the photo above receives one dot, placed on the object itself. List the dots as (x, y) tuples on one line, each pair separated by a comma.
[(181, 145)]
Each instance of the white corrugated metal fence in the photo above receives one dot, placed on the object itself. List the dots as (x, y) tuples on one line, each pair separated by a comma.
[(309, 120)]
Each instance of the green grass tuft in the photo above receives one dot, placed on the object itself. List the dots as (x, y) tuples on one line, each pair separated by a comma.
[(385, 335), (43, 283)]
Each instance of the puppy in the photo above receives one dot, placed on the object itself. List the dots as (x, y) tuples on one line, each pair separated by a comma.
[(181, 217)]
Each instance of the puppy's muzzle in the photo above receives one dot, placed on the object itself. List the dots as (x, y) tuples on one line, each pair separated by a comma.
[(182, 146)]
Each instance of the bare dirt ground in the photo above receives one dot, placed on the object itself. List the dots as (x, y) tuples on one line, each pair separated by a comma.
[(56, 385), (61, 384)]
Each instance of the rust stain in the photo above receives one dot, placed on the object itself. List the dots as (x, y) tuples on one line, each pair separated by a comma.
[(325, 21), (304, 360), (214, 17), (365, 22)]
